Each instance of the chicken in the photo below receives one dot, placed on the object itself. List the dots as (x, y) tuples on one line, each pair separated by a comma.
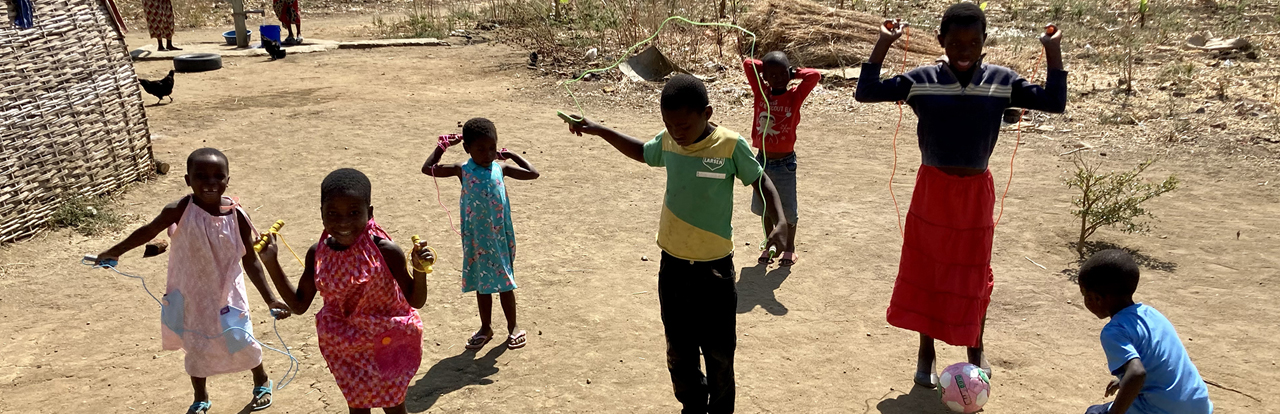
[(160, 88), (273, 49)]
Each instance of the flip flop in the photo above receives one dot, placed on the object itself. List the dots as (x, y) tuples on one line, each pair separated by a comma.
[(926, 379), (478, 340), (201, 407), (517, 341), (259, 393), (766, 258), (788, 259)]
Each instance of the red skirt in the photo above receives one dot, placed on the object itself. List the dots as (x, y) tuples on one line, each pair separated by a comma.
[(944, 277)]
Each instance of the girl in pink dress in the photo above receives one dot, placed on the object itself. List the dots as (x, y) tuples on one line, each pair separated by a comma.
[(205, 291), (369, 330)]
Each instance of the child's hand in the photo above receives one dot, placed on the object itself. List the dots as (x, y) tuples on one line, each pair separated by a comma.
[(504, 154), (1052, 37), (422, 256), (891, 30), (268, 251), (279, 309), (105, 258), (586, 126), (1113, 387), (777, 238)]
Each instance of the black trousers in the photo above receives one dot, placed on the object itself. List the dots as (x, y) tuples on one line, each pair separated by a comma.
[(699, 315)]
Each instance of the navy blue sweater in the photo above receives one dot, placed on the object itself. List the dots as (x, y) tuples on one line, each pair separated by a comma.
[(958, 125)]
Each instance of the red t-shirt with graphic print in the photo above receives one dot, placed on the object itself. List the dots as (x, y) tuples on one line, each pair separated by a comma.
[(783, 111)]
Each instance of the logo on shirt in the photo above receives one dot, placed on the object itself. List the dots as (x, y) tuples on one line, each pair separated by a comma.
[(768, 123), (713, 163)]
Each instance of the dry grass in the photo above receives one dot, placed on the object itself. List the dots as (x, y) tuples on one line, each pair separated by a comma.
[(819, 36)]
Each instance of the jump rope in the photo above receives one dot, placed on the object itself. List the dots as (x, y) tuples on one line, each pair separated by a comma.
[(906, 34), (574, 120), (294, 365)]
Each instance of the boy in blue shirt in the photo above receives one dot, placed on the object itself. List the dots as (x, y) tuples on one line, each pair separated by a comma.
[(1154, 373)]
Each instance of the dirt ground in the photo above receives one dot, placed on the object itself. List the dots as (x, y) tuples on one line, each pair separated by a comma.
[(812, 338)]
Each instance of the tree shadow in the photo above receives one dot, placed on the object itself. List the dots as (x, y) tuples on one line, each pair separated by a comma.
[(919, 400), (756, 287), (1142, 259), (453, 374)]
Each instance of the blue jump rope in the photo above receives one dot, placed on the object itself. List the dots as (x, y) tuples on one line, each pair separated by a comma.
[(289, 374)]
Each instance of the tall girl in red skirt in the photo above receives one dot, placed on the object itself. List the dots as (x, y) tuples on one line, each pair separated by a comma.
[(944, 276), (369, 330)]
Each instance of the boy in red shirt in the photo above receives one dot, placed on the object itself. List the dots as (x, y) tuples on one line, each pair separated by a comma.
[(774, 132)]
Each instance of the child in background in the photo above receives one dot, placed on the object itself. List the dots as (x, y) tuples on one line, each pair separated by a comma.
[(1154, 373), (773, 131), (209, 255), (696, 279), (369, 330), (488, 238), (290, 15), (944, 276)]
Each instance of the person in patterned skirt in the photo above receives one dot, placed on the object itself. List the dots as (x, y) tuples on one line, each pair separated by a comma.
[(159, 14)]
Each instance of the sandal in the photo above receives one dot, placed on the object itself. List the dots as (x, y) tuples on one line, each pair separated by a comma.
[(201, 407), (516, 341), (478, 340), (258, 394), (788, 259), (927, 379), (289, 41), (766, 258)]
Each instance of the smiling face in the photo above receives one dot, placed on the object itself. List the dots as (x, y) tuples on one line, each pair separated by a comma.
[(686, 125), (345, 217), (208, 177), (483, 150), (963, 44)]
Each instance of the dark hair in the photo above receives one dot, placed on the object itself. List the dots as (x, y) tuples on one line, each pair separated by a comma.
[(1109, 273), (776, 58), (477, 128), (962, 14), (684, 92), (346, 181), (207, 153)]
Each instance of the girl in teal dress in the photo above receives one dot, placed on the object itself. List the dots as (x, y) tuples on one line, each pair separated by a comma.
[(488, 239)]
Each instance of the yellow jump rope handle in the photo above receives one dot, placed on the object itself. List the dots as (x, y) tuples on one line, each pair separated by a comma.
[(262, 241), (427, 269)]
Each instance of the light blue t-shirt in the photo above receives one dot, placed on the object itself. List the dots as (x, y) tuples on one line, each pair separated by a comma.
[(1173, 384)]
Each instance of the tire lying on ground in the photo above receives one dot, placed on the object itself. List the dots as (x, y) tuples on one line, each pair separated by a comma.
[(197, 62)]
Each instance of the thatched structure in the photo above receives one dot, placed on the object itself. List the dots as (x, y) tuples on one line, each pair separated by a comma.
[(817, 36), (71, 115)]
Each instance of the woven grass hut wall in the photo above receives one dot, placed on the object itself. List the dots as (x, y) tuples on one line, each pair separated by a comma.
[(71, 114)]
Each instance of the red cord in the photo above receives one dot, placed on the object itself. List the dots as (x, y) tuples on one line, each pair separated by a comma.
[(444, 145), (906, 33), (1018, 142)]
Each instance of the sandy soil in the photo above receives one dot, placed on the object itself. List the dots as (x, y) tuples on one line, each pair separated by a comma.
[(812, 338)]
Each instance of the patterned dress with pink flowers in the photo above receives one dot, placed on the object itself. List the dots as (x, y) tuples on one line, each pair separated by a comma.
[(488, 239), (368, 333)]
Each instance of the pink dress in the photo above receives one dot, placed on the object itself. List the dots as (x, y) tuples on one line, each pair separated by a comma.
[(205, 295), (368, 333)]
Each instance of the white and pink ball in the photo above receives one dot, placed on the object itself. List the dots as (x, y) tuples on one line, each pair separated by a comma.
[(964, 388)]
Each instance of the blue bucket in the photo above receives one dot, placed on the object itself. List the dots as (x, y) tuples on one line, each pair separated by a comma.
[(270, 31)]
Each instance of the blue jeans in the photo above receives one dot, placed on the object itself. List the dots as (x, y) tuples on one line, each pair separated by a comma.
[(782, 172)]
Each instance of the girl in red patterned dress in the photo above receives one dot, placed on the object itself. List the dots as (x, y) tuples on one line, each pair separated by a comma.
[(369, 330)]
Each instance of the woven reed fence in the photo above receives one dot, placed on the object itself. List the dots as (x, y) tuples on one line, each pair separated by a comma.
[(71, 116)]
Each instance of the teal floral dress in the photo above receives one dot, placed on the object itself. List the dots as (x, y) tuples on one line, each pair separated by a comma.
[(488, 239)]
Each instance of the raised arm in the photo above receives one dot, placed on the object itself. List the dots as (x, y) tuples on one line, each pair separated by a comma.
[(752, 68), (808, 80), (168, 216), (298, 298), (870, 87), (1053, 96), (433, 167), (631, 147), (253, 269), (523, 170)]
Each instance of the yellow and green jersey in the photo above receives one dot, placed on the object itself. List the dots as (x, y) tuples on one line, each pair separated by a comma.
[(697, 209)]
